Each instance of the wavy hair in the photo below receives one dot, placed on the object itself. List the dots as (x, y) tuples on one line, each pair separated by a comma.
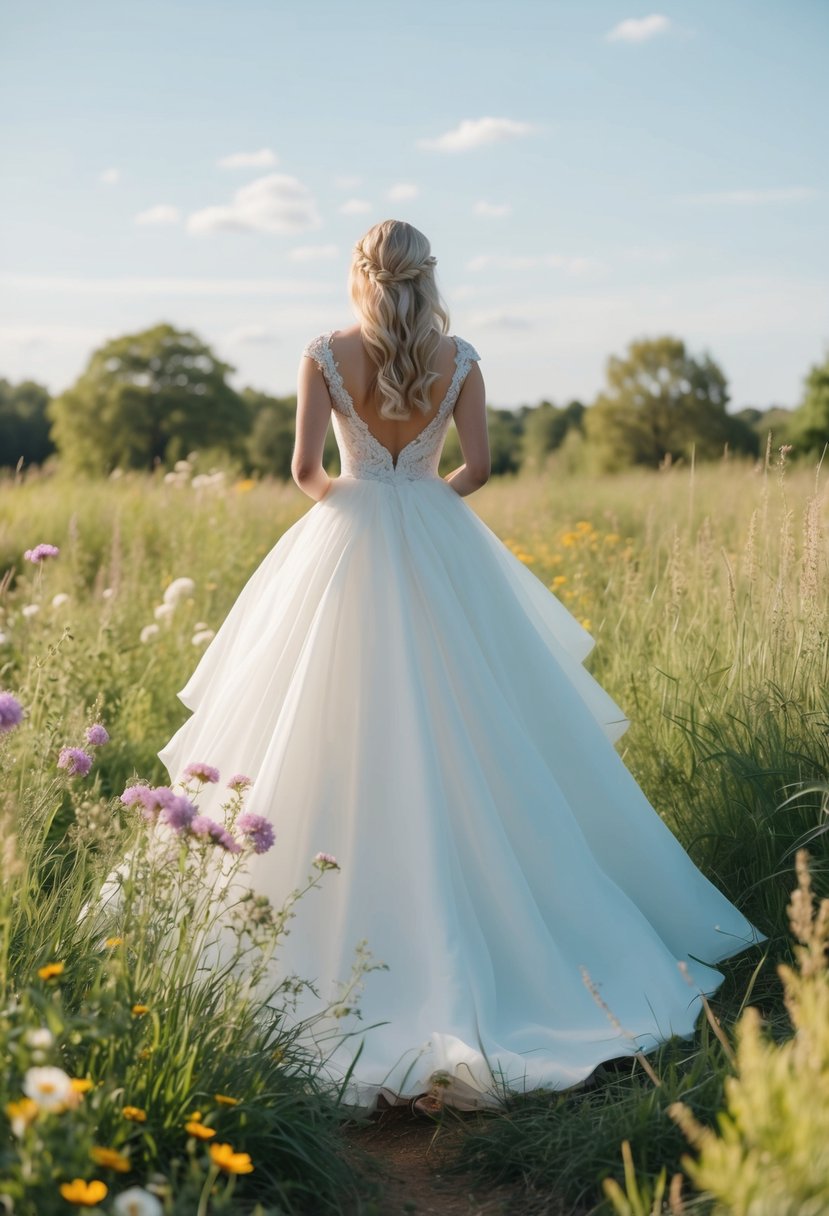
[(392, 286)]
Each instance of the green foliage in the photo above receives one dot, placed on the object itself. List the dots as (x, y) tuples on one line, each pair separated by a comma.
[(660, 402), (810, 424), (148, 398), (546, 426), (24, 425)]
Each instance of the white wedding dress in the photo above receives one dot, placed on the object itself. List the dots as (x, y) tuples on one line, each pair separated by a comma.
[(409, 697)]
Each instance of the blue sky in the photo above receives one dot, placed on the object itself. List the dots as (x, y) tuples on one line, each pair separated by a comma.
[(587, 173)]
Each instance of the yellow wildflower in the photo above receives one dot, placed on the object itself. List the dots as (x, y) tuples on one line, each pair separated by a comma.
[(46, 972), (21, 1114), (242, 487), (195, 1117), (84, 1194), (586, 623), (612, 538), (138, 1010), (200, 1130), (135, 1113), (559, 580), (114, 941), (224, 1100), (111, 1158), (232, 1163), (81, 1085)]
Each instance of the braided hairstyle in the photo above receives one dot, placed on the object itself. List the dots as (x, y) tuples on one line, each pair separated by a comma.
[(393, 289)]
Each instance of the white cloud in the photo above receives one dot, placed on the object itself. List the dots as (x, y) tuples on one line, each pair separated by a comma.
[(162, 213), (110, 177), (265, 158), (158, 286), (31, 337), (555, 261), (475, 132), (348, 182), (313, 253), (275, 204), (500, 320), (354, 206), (400, 192), (639, 29), (751, 198), (495, 210), (251, 335)]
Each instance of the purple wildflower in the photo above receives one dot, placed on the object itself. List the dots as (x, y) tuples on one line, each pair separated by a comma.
[(239, 782), (258, 830), (202, 772), (97, 734), (326, 862), (11, 712), (75, 760), (178, 813), (40, 552), (152, 799), (203, 825)]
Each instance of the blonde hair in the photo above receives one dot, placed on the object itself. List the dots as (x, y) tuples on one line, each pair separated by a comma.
[(392, 285)]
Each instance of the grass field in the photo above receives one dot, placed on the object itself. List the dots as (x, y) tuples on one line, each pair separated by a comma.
[(706, 592)]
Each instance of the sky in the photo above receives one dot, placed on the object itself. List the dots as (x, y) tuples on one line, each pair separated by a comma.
[(588, 172)]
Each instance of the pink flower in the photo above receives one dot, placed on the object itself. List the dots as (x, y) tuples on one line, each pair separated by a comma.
[(258, 830), (97, 734), (40, 552), (239, 782), (202, 772), (324, 861)]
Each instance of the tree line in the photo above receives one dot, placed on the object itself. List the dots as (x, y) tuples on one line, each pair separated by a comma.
[(147, 399)]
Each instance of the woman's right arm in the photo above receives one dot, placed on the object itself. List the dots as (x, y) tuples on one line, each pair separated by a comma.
[(470, 419)]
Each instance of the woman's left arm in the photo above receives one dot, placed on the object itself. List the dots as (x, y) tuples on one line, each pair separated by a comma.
[(313, 411)]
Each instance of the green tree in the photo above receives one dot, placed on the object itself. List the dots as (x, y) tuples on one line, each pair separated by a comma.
[(24, 424), (148, 398), (546, 427), (660, 401), (810, 421)]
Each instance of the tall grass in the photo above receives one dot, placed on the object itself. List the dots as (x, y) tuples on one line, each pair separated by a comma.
[(706, 591)]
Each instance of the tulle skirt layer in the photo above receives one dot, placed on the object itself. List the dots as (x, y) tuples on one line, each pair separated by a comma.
[(409, 697)]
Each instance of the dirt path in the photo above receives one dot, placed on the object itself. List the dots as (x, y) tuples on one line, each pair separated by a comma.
[(411, 1156)]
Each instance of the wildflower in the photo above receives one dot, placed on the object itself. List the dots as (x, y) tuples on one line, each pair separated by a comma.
[(139, 1010), (30, 610), (224, 1100), (232, 1163), (40, 552), (559, 580), (111, 1158), (178, 812), (179, 589), (135, 1113), (585, 624), (202, 772), (11, 712), (49, 1087), (200, 1130), (75, 760), (39, 1038), (239, 782), (81, 1085), (204, 826), (148, 633), (21, 1114), (135, 1201), (84, 1194), (150, 798), (60, 599), (114, 941), (49, 969), (163, 612), (258, 830), (96, 734), (324, 861), (201, 636)]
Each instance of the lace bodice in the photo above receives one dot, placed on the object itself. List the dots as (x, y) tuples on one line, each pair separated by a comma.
[(361, 453)]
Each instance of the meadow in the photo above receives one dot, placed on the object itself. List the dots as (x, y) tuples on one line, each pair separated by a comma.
[(706, 592)]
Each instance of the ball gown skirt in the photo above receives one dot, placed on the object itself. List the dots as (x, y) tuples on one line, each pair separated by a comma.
[(408, 696)]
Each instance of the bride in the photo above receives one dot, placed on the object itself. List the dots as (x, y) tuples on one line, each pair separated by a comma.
[(411, 699)]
